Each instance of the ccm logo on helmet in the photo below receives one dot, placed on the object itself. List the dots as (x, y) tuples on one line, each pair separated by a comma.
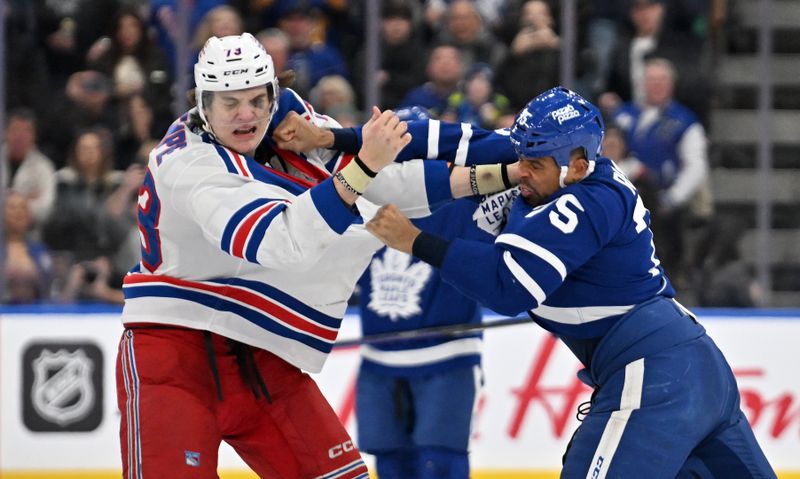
[(565, 113), (340, 449), (234, 72)]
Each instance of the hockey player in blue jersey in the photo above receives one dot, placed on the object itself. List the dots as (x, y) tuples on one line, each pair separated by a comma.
[(415, 398), (577, 253)]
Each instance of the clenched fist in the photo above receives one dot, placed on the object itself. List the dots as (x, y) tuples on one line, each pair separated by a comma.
[(395, 230), (297, 134), (384, 136)]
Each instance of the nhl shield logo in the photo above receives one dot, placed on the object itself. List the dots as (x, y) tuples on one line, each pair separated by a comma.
[(65, 391), (62, 386)]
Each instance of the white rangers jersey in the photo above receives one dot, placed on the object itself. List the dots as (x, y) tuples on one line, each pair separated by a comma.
[(253, 253)]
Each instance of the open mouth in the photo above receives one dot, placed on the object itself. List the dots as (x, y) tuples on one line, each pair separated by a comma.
[(526, 190), (245, 131)]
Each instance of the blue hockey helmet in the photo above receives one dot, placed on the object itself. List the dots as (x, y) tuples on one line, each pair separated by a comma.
[(411, 113), (555, 123)]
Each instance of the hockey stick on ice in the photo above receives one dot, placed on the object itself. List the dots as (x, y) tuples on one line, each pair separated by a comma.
[(434, 332)]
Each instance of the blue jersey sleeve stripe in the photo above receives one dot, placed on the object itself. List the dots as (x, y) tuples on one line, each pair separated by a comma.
[(330, 205), (533, 248), (236, 219), (251, 250), (226, 159), (463, 145), (524, 278)]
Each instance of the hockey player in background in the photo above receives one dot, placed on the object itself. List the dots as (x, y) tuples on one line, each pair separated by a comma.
[(577, 254), (415, 399), (249, 255)]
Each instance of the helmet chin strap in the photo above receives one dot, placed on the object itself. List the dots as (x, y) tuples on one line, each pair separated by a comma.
[(562, 176), (198, 95)]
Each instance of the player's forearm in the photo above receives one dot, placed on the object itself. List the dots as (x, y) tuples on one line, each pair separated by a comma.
[(477, 269), (459, 143), (482, 179)]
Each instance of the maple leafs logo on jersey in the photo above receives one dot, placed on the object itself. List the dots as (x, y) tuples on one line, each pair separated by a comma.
[(493, 209), (397, 285)]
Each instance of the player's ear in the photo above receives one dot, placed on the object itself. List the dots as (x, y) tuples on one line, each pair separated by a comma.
[(578, 166)]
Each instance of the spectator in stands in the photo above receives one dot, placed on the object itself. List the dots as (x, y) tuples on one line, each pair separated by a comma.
[(67, 30), (435, 12), (31, 78), (137, 133), (724, 279), (79, 223), (477, 102), (334, 97), (86, 103), (30, 173), (445, 70), (401, 50), (27, 262), (276, 43), (310, 58), (220, 21), (605, 20), (81, 231), (668, 138), (163, 18), (651, 39), (131, 60), (534, 56), (464, 28), (615, 148)]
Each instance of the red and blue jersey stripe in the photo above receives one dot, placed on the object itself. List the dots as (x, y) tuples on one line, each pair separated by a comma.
[(245, 230), (257, 302)]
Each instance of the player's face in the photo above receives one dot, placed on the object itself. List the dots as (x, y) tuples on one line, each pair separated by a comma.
[(538, 179), (240, 118)]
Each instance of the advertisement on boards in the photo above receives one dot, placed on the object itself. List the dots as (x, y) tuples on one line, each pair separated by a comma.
[(58, 411)]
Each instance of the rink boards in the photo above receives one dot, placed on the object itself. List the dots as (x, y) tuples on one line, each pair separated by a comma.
[(524, 419)]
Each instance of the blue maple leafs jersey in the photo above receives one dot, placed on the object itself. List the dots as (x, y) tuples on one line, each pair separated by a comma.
[(401, 293), (577, 263), (459, 143)]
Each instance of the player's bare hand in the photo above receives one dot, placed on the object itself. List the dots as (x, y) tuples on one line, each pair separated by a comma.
[(392, 227), (297, 134), (384, 136)]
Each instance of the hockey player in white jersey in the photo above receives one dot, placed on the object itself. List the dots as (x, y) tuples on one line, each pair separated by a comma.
[(577, 253), (245, 274)]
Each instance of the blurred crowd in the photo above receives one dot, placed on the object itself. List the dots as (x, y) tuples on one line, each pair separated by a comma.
[(90, 92)]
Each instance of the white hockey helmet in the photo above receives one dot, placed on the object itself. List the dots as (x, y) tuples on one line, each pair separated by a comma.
[(235, 62)]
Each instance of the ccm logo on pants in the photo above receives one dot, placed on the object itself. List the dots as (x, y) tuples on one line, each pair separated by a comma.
[(340, 449), (597, 467)]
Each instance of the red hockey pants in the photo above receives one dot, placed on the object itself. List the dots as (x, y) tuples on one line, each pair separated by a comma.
[(182, 391)]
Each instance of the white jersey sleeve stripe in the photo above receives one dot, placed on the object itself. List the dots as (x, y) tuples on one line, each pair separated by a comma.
[(533, 248), (463, 144), (524, 278), (433, 139)]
